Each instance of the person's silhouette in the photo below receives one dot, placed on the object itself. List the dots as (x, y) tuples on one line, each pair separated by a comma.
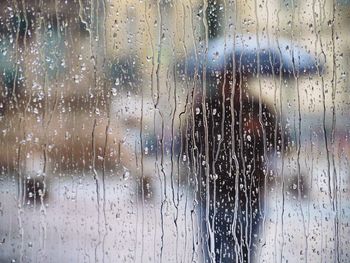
[(237, 132), (232, 134)]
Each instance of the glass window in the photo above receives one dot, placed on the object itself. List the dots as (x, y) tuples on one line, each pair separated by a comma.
[(174, 131)]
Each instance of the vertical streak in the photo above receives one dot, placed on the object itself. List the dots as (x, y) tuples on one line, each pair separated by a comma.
[(142, 177), (20, 182), (153, 52), (172, 157), (96, 179), (335, 182), (296, 77), (26, 26), (107, 97), (206, 139), (241, 142), (164, 202), (194, 150), (322, 20), (236, 163), (282, 154), (185, 150), (260, 104), (104, 184), (160, 35)]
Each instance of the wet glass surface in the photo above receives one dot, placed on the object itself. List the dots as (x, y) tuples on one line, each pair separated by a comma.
[(174, 131)]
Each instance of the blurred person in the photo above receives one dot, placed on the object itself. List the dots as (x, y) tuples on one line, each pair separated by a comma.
[(240, 134), (231, 136)]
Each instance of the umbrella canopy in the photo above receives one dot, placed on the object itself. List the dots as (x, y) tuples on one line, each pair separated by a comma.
[(249, 55)]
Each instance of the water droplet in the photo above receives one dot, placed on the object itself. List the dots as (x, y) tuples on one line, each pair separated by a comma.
[(76, 79), (114, 91), (126, 175)]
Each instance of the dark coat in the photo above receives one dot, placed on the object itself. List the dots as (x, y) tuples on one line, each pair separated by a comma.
[(229, 141)]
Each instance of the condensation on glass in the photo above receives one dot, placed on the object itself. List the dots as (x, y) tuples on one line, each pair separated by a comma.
[(174, 131)]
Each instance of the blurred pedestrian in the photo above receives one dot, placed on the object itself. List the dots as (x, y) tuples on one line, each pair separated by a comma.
[(232, 135)]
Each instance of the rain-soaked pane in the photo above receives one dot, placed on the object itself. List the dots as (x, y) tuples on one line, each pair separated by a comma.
[(174, 131)]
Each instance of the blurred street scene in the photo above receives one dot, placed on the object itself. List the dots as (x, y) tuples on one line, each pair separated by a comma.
[(118, 124)]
